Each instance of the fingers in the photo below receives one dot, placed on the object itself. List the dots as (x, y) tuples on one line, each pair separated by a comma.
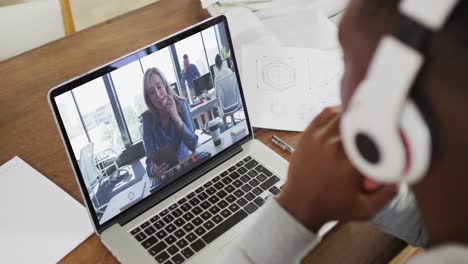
[(373, 202), (327, 114), (370, 185)]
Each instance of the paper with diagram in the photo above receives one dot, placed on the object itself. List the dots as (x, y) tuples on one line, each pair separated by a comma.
[(285, 88)]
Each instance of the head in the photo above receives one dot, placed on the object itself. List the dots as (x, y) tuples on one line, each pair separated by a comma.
[(186, 60), (443, 85), (155, 88), (218, 61)]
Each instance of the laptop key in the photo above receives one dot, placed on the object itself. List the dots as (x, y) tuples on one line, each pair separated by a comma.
[(172, 249), (170, 239), (214, 209), (182, 243), (200, 231), (241, 202), (155, 218), (246, 188), (194, 201), (199, 190), (245, 178), (161, 234), (206, 215), (187, 253), (249, 197), (251, 164), (231, 169), (224, 226), (182, 201), (234, 175), (221, 194), (149, 242), (191, 195), (211, 190), (274, 190), (159, 224), (169, 262), (224, 173), (145, 224), (197, 245), (185, 207), (217, 219), (222, 204), (162, 257), (233, 207), (231, 198), (259, 201), (205, 205), (179, 222), (188, 216), (208, 184), (252, 173), (178, 259), (196, 210), (197, 221), (257, 191), (254, 183), (150, 230), (163, 213), (179, 233), (240, 163), (238, 193), (156, 249), (168, 219), (191, 237), (170, 228), (270, 182), (213, 199), (247, 159), (140, 236), (250, 208), (263, 170), (173, 206), (216, 179), (177, 212), (225, 213), (135, 231), (188, 227), (261, 177), (208, 225), (219, 185), (226, 180), (241, 170), (237, 183), (202, 196), (229, 189)]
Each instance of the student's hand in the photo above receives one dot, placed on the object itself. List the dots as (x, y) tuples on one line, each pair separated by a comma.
[(160, 170), (322, 184), (171, 108)]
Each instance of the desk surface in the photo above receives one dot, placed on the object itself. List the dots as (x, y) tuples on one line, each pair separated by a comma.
[(27, 128)]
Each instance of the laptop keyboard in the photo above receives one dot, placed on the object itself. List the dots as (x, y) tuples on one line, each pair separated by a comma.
[(187, 226)]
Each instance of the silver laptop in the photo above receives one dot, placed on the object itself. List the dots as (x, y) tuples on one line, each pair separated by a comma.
[(170, 171)]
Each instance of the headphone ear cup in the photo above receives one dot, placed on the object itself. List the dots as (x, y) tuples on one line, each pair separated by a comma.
[(416, 137)]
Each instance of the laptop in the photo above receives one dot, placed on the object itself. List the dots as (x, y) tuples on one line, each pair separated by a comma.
[(187, 214)]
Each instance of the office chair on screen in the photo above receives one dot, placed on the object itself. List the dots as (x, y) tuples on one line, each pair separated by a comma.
[(93, 178), (227, 91)]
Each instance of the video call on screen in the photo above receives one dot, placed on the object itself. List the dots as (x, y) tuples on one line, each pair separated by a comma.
[(138, 128)]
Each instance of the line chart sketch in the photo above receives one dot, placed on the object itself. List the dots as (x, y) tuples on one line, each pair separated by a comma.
[(276, 74)]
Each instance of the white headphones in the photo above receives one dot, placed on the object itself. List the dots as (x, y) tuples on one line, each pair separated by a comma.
[(383, 131)]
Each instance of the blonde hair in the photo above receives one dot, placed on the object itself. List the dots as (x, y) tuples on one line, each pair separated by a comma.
[(152, 108)]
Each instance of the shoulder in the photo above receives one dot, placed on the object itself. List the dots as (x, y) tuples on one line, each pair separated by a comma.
[(146, 116)]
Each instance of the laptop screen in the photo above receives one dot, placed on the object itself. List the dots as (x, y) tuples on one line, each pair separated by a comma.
[(139, 124)]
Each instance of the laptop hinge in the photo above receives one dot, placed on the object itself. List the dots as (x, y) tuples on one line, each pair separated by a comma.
[(176, 186)]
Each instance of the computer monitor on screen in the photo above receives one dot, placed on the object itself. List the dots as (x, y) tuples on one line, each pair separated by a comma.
[(203, 83)]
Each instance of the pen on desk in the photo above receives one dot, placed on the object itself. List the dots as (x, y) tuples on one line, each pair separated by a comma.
[(279, 142)]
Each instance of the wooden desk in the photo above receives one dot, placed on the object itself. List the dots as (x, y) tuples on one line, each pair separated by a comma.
[(27, 128)]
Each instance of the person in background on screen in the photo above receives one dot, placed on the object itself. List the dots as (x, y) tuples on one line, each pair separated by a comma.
[(166, 122), (189, 73), (221, 70)]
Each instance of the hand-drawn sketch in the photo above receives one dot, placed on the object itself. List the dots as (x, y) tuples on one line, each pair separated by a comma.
[(275, 73)]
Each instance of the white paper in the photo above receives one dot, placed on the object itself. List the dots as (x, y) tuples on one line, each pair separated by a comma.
[(40, 222), (285, 88)]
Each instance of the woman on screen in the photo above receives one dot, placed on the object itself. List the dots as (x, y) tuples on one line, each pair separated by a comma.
[(167, 122)]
